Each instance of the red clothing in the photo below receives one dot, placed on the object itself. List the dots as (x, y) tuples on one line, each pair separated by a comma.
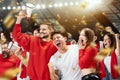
[(23, 72), (102, 71), (40, 53), (97, 46), (8, 63), (113, 63), (86, 57)]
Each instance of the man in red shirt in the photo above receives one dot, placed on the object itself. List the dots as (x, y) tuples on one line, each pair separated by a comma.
[(40, 49), (9, 63)]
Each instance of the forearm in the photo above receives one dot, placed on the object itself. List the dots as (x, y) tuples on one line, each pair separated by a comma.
[(53, 77), (117, 43), (53, 74), (16, 31)]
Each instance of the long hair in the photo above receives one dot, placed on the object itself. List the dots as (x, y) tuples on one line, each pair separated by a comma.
[(89, 33), (112, 39)]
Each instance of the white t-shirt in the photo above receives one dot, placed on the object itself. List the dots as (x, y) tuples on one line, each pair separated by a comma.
[(107, 61), (67, 63)]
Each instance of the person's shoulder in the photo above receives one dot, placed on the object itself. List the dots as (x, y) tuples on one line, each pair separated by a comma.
[(34, 38), (55, 57), (92, 48), (73, 46), (0, 55), (56, 54), (14, 57)]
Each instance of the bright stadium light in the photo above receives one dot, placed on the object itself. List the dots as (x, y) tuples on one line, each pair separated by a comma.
[(65, 4), (8, 7), (30, 5), (18, 7), (43, 6), (4, 8), (14, 8), (50, 6), (91, 4)]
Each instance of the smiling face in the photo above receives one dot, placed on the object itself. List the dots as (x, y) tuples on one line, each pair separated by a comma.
[(59, 40), (106, 41), (44, 31), (4, 47), (109, 41), (5, 51)]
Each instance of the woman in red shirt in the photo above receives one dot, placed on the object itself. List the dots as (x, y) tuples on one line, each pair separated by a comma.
[(87, 53)]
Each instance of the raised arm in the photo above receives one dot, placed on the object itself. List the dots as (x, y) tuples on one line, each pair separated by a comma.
[(22, 39), (117, 43)]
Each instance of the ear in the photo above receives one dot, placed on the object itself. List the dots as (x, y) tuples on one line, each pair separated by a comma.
[(52, 30), (94, 38), (73, 42), (65, 38)]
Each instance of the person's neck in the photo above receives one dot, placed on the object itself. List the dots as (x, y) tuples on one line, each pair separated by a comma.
[(63, 49), (46, 39)]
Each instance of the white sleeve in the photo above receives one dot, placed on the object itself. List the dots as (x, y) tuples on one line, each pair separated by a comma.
[(101, 45)]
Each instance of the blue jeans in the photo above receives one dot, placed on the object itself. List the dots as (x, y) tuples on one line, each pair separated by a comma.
[(109, 77)]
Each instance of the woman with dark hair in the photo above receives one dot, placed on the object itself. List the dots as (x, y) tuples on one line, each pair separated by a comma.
[(87, 53), (111, 61)]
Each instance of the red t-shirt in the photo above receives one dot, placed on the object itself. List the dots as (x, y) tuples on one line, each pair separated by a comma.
[(8, 63), (86, 57), (113, 63), (40, 53)]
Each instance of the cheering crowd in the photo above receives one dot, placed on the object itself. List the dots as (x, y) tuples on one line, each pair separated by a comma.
[(46, 54)]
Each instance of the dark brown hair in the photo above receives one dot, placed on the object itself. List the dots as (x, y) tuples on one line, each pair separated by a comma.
[(50, 25), (112, 38), (64, 34)]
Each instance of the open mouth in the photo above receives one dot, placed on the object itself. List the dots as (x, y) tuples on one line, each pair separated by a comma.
[(106, 45), (58, 44), (81, 40)]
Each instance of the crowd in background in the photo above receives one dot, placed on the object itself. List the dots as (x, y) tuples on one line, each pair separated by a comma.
[(47, 54)]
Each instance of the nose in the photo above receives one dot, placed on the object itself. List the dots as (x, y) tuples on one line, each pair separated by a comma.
[(40, 30), (56, 39)]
